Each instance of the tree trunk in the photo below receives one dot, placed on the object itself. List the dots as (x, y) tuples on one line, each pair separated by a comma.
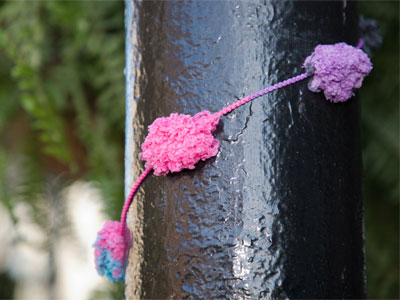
[(278, 213)]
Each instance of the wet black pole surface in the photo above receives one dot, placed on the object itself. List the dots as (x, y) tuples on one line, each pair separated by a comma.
[(278, 213)]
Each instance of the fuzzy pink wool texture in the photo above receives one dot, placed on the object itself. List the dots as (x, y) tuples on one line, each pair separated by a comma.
[(337, 70), (179, 141)]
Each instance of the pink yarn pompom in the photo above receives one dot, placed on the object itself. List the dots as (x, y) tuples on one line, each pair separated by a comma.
[(337, 70), (179, 141), (111, 249)]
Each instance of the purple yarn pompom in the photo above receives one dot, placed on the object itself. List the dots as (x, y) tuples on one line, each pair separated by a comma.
[(337, 70), (111, 249)]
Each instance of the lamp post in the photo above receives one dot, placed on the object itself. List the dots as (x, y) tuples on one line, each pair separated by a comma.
[(278, 212)]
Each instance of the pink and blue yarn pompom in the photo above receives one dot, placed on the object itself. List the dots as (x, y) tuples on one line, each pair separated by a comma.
[(337, 70), (111, 249)]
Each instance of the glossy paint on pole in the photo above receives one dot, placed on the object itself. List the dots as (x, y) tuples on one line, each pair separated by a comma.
[(278, 212)]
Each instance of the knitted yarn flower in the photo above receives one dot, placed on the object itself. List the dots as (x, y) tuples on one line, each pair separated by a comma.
[(110, 251), (337, 70), (179, 141)]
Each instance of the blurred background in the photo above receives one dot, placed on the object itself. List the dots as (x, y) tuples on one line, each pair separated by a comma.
[(62, 93)]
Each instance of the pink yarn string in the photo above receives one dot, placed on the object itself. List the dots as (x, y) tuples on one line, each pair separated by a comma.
[(271, 88), (128, 201)]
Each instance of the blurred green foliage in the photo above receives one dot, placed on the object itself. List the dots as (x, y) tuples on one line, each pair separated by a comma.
[(380, 121), (62, 112), (62, 100), (62, 75)]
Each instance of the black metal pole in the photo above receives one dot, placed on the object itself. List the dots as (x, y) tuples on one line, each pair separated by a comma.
[(278, 213)]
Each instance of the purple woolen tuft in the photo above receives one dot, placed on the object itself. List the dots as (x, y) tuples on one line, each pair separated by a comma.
[(337, 70)]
